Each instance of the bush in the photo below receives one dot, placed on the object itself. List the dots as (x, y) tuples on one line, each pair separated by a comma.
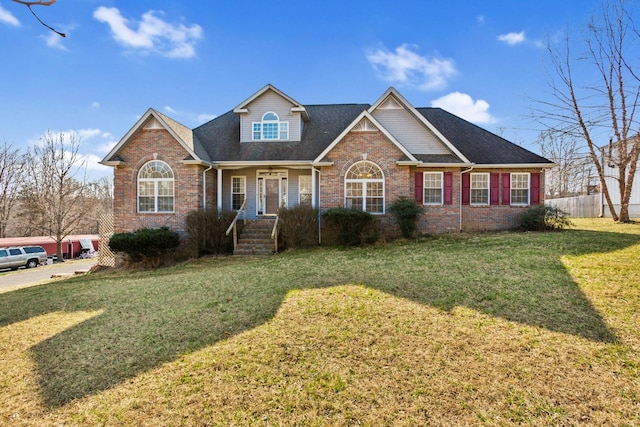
[(544, 218), (352, 227), (206, 231), (406, 213), (146, 245), (298, 226)]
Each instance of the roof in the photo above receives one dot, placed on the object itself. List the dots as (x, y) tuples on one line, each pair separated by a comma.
[(218, 141), (477, 144), (221, 136)]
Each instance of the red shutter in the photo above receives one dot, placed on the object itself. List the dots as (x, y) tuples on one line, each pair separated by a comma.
[(419, 193), (466, 188), (506, 189), (448, 188), (495, 189), (535, 188)]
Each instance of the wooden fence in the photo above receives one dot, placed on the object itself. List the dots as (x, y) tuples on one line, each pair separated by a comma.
[(105, 256), (579, 206)]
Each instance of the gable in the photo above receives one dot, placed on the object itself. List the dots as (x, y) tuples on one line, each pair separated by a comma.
[(407, 129), (153, 121), (270, 101)]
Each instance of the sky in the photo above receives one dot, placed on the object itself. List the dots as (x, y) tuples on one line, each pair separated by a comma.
[(194, 60)]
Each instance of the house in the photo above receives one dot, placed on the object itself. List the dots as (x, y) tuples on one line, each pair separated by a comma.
[(271, 151)]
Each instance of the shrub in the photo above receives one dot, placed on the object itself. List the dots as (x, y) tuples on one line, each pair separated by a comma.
[(544, 218), (352, 227), (146, 245), (206, 231), (298, 226), (406, 213)]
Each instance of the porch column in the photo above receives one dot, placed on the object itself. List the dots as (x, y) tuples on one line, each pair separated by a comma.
[(313, 188), (219, 192)]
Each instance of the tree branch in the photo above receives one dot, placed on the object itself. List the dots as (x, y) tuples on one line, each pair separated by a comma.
[(28, 4)]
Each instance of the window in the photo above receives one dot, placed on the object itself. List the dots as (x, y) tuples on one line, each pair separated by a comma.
[(479, 188), (238, 194), (432, 188), (364, 188), (155, 187), (519, 188), (15, 252), (270, 128), (304, 190), (3, 252)]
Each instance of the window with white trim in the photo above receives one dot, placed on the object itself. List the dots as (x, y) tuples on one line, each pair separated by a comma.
[(432, 188), (304, 190), (238, 191), (520, 188), (155, 187), (479, 188), (364, 187), (270, 128)]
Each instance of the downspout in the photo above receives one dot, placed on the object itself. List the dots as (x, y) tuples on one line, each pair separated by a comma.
[(204, 187), (461, 190), (313, 187)]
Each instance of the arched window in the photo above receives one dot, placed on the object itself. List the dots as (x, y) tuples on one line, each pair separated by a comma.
[(270, 128), (155, 187), (364, 187)]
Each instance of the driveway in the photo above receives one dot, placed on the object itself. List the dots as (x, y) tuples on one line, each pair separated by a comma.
[(10, 280)]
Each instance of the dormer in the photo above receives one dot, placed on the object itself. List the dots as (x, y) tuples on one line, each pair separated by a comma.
[(271, 115)]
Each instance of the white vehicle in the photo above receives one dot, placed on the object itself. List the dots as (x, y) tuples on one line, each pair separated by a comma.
[(23, 256)]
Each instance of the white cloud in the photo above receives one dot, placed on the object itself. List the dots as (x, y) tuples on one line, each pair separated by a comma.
[(54, 40), (512, 38), (95, 105), (464, 106), (170, 110), (406, 67), (480, 19), (204, 117), (8, 18), (151, 34)]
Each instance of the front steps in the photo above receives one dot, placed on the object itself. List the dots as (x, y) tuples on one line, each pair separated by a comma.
[(255, 238)]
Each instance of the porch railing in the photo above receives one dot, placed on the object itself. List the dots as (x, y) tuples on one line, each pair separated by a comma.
[(274, 235), (233, 227)]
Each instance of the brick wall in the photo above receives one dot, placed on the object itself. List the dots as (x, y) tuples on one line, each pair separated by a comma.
[(355, 147), (399, 180), (146, 145)]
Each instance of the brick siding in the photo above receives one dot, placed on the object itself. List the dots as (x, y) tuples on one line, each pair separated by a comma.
[(146, 145)]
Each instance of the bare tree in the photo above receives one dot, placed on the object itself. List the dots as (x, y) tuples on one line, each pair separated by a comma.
[(573, 172), (604, 110), (28, 4), (53, 199), (10, 179)]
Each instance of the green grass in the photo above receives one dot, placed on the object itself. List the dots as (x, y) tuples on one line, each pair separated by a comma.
[(488, 329)]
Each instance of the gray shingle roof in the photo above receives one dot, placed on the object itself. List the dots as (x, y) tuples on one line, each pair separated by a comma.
[(477, 144), (220, 138)]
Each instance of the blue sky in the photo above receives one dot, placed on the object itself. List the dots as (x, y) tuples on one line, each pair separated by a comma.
[(194, 60)]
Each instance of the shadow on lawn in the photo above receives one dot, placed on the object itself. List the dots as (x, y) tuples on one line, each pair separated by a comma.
[(155, 317)]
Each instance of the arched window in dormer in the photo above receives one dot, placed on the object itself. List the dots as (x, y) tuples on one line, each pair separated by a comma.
[(270, 128), (155, 187)]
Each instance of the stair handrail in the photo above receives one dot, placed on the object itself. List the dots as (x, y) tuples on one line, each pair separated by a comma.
[(243, 209), (274, 234)]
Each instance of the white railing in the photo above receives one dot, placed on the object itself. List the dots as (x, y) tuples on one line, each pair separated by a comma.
[(274, 235), (233, 227)]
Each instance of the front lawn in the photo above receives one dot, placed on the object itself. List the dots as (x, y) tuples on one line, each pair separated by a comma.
[(487, 329)]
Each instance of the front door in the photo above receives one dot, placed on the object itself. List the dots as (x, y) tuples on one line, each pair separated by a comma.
[(271, 195), (272, 191)]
